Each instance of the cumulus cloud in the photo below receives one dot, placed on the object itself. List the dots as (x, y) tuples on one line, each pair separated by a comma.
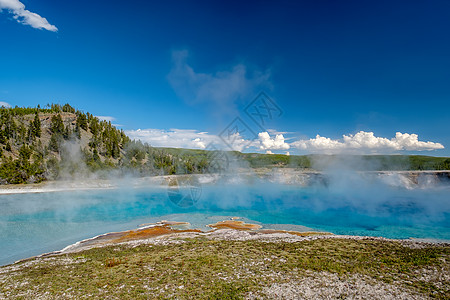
[(176, 138), (221, 89), (237, 142), (268, 143), (190, 139), (4, 104), (24, 16), (193, 139), (198, 143), (367, 141), (361, 142)]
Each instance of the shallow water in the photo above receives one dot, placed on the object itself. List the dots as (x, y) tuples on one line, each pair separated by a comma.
[(31, 224)]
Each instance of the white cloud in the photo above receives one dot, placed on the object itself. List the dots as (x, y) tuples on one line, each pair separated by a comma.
[(106, 118), (411, 142), (238, 143), (361, 142), (176, 138), (186, 138), (26, 17), (5, 104), (319, 143), (221, 89), (199, 143), (193, 139), (275, 132), (367, 141), (267, 143)]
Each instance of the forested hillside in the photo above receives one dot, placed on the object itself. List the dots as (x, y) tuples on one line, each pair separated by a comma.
[(60, 142)]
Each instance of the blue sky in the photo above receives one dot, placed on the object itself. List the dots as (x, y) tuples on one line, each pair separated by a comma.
[(182, 71)]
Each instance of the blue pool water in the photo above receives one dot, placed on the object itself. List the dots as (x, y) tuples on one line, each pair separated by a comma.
[(31, 224)]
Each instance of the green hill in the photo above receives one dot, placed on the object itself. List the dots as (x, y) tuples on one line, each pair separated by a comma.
[(60, 142)]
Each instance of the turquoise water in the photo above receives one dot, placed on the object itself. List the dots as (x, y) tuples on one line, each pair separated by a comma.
[(31, 224)]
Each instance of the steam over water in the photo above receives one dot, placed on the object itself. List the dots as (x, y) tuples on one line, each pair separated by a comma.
[(33, 223)]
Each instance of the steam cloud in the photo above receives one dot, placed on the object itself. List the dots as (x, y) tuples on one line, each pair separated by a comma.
[(26, 17)]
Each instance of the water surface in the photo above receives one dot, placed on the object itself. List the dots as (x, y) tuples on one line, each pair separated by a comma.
[(34, 223)]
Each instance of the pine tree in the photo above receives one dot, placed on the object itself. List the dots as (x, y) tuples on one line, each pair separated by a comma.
[(25, 153), (3, 138), (55, 141), (67, 133), (77, 131), (22, 132), (57, 125), (94, 126), (115, 149), (36, 126), (95, 156), (30, 133), (82, 121), (68, 108)]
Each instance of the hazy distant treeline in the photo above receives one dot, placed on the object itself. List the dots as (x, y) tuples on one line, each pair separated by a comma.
[(353, 162), (325, 162)]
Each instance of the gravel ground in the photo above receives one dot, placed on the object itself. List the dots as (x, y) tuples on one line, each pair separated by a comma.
[(272, 283)]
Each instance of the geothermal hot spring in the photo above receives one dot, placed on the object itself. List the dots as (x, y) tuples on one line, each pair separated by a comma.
[(351, 204)]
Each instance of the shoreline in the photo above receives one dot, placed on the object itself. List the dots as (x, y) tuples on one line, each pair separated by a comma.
[(222, 233), (234, 264), (161, 180), (81, 185)]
